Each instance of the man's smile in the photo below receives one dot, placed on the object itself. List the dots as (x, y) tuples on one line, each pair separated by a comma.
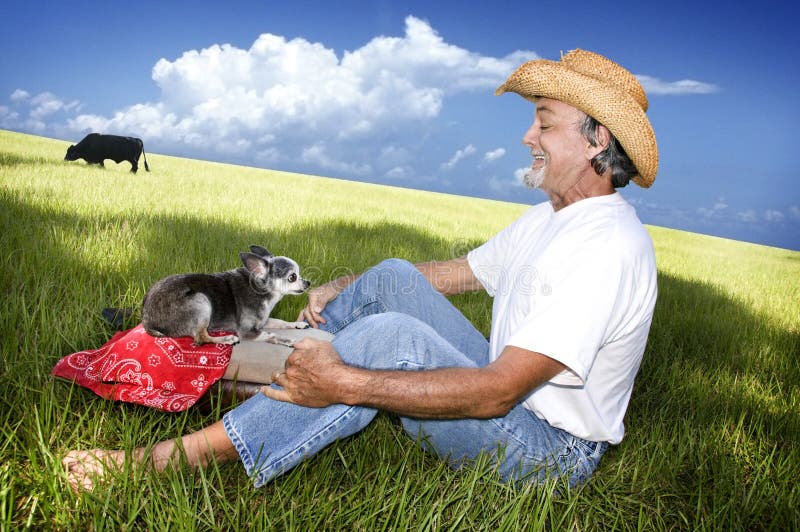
[(537, 157)]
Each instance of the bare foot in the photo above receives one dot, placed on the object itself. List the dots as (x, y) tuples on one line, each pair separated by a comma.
[(86, 468)]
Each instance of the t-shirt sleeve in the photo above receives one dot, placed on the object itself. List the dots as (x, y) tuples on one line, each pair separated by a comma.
[(569, 320), (487, 260)]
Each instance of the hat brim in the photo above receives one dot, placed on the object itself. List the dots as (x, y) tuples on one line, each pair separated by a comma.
[(614, 108)]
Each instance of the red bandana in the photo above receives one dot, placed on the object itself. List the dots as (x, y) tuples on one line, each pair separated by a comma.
[(170, 374)]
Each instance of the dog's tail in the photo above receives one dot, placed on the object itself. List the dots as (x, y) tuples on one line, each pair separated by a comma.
[(148, 328), (152, 332), (118, 317)]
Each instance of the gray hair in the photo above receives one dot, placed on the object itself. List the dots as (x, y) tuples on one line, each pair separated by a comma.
[(613, 157)]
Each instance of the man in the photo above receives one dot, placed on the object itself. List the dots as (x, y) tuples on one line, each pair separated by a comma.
[(574, 286)]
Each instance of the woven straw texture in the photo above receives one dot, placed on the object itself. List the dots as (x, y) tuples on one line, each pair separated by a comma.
[(602, 89)]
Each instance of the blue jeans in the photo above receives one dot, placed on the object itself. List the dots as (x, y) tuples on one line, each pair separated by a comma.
[(392, 318)]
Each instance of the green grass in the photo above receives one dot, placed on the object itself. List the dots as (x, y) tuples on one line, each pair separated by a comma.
[(712, 430)]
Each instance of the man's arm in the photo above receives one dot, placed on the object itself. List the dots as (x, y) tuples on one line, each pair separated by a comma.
[(450, 277), (315, 376)]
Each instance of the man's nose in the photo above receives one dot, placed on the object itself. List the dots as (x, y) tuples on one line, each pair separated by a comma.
[(531, 136)]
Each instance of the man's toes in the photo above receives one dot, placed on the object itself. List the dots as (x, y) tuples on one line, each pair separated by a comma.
[(84, 467), (77, 476), (75, 459)]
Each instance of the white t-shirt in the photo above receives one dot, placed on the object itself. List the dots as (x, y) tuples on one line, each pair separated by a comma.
[(579, 286)]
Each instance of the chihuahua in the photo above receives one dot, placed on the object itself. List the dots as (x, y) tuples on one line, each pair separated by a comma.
[(236, 300)]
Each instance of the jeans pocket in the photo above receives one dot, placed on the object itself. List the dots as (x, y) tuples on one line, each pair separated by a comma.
[(584, 457)]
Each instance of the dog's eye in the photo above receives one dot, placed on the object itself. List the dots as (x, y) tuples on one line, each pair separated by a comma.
[(292, 277)]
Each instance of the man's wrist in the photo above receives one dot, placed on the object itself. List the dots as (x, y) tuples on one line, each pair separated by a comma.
[(342, 282), (352, 382)]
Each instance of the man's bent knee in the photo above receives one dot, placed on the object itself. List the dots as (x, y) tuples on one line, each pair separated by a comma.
[(397, 265), (391, 278)]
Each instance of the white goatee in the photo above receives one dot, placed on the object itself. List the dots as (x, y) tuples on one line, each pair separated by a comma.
[(533, 178)]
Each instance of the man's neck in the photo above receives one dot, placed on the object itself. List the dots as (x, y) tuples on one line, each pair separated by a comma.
[(586, 187)]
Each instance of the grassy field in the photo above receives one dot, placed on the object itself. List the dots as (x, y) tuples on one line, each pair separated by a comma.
[(712, 430)]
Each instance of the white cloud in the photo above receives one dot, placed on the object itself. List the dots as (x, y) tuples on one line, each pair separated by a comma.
[(399, 172), (501, 186), (794, 212), (719, 206), (36, 113), (295, 102), (494, 155), (640, 202), (20, 95), (318, 155), (771, 215), (7, 117), (46, 104), (497, 185), (392, 156), (464, 152), (685, 86), (748, 216), (424, 59)]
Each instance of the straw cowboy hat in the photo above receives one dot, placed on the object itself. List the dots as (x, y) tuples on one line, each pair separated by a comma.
[(603, 90)]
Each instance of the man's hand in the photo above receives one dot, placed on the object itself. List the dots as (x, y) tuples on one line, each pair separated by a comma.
[(311, 377), (319, 297)]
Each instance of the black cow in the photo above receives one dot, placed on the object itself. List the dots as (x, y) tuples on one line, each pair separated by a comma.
[(95, 148)]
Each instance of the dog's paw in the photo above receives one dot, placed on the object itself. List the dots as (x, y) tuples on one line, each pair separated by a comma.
[(228, 339), (277, 340), (301, 325)]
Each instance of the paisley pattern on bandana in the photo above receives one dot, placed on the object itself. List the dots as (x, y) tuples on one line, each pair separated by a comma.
[(169, 374)]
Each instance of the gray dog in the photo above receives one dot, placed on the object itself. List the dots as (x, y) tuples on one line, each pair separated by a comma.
[(236, 300)]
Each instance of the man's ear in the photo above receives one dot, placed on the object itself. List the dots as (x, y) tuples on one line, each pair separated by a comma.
[(603, 136)]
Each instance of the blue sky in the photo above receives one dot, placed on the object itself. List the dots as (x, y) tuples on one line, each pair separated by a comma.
[(401, 93)]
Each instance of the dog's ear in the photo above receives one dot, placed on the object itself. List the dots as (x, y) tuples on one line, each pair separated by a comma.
[(261, 252), (256, 265)]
